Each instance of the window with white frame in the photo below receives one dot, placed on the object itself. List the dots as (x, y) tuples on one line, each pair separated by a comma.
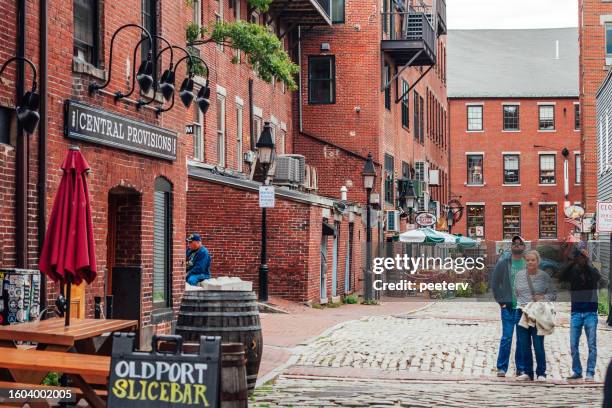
[(511, 118), (474, 117), (475, 169), (221, 130), (197, 12), (547, 117), (257, 127), (476, 221), (576, 116), (511, 221), (511, 169), (219, 17), (239, 113), (282, 135), (198, 135), (578, 162), (547, 169), (608, 41)]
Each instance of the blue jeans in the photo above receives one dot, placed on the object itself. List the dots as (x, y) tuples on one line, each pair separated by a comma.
[(589, 322), (529, 337), (193, 280), (510, 318)]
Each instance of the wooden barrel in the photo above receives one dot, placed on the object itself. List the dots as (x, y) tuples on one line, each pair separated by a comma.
[(233, 315), (234, 392)]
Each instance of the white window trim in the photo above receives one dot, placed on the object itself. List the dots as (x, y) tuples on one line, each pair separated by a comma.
[(511, 203), (221, 132), (257, 112), (547, 103), (511, 103), (239, 135), (511, 185), (283, 126), (474, 153), (547, 152), (239, 100), (474, 104), (475, 203), (547, 185), (221, 90), (548, 203), (505, 153)]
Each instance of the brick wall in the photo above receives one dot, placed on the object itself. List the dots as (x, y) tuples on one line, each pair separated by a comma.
[(229, 220), (592, 16), (492, 142)]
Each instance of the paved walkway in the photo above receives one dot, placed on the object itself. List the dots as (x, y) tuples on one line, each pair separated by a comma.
[(442, 355), (283, 332)]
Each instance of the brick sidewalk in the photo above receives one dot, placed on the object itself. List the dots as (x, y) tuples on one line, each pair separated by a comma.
[(283, 332)]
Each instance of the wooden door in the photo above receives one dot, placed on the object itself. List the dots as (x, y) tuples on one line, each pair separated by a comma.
[(77, 301)]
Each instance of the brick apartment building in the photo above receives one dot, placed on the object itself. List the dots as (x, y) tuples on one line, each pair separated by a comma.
[(595, 33), (514, 124), (375, 82)]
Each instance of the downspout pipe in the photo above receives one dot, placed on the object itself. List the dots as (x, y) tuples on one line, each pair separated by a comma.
[(42, 142), (21, 160)]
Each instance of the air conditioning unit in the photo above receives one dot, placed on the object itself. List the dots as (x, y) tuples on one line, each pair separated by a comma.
[(284, 170), (393, 220), (301, 172)]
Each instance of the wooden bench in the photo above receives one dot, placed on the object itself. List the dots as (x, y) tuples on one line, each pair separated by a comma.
[(83, 369)]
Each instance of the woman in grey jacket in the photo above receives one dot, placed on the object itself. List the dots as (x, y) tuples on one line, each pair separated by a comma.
[(532, 285)]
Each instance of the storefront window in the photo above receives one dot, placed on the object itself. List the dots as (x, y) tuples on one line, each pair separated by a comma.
[(511, 221), (548, 221), (476, 221)]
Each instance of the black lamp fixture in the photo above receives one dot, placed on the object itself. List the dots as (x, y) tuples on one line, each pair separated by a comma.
[(186, 90), (145, 71), (27, 108), (167, 79), (369, 178), (265, 147)]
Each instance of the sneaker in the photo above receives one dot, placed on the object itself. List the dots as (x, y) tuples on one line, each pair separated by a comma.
[(541, 378), (574, 377), (589, 379), (501, 373), (523, 377)]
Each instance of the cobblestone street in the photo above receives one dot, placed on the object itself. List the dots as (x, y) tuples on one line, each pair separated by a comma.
[(441, 355)]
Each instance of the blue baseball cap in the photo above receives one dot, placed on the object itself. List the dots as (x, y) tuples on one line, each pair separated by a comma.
[(194, 237)]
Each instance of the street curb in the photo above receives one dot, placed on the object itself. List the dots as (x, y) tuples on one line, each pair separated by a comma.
[(275, 372)]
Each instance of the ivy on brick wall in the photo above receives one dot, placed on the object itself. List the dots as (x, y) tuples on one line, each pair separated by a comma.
[(263, 49)]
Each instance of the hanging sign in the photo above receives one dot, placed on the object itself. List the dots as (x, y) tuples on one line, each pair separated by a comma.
[(604, 216), (426, 219), (159, 379), (266, 196), (84, 122)]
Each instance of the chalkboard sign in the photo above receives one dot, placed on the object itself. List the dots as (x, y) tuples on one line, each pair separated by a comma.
[(159, 379)]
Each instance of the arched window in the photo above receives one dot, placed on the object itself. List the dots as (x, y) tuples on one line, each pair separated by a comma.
[(162, 243)]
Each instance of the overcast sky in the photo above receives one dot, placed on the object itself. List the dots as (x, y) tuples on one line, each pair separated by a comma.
[(474, 14)]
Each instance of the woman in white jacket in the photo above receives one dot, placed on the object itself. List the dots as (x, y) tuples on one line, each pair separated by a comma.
[(532, 285)]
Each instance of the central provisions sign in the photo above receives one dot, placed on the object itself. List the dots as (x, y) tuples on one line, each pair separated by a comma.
[(160, 379), (84, 122), (604, 216)]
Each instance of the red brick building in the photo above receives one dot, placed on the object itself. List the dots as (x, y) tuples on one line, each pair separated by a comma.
[(513, 130), (595, 25), (375, 82), (137, 191)]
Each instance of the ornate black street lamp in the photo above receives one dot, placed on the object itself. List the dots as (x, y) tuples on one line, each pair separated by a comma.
[(265, 148), (145, 71), (27, 107), (369, 177)]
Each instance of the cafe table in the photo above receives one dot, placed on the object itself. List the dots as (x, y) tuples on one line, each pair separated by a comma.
[(84, 336)]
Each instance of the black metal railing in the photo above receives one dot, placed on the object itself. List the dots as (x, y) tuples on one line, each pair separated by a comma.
[(409, 26), (441, 11)]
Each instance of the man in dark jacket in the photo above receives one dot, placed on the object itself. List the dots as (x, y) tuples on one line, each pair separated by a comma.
[(198, 260), (502, 283), (584, 279)]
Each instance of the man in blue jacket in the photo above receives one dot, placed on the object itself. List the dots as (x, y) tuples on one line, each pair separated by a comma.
[(198, 260), (502, 283)]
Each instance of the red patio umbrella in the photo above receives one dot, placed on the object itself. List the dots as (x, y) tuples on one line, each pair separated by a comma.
[(68, 252)]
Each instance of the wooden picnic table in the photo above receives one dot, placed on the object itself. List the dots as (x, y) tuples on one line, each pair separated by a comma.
[(76, 344)]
